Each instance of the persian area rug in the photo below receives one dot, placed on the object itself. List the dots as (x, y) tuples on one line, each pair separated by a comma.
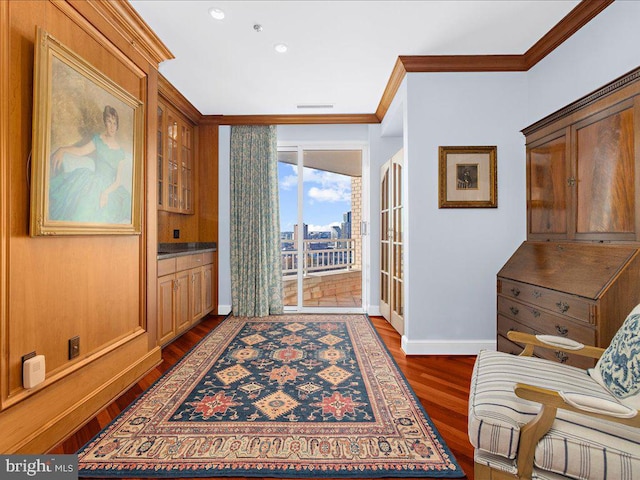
[(280, 396)]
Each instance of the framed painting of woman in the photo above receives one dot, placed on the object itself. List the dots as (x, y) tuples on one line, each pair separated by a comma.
[(86, 170)]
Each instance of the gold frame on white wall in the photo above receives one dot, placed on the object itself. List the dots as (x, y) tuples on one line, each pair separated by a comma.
[(468, 177)]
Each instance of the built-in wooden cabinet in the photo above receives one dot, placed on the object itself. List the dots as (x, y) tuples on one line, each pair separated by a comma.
[(578, 274), (185, 293), (175, 161)]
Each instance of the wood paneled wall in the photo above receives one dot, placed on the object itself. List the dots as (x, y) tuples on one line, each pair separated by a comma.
[(55, 288)]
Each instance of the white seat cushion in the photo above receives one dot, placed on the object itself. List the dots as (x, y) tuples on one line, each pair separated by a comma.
[(577, 446)]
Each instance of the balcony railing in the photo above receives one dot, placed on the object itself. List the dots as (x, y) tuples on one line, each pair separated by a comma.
[(319, 255)]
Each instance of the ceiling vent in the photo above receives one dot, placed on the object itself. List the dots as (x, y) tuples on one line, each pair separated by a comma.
[(315, 105)]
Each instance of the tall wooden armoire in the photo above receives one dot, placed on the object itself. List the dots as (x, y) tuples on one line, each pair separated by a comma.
[(578, 273)]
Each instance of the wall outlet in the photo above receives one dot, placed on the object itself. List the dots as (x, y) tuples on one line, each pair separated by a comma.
[(176, 233), (74, 347), (28, 356)]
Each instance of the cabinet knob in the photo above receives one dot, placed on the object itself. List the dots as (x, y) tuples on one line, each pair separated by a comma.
[(515, 291), (514, 310), (562, 330), (562, 306), (535, 313), (563, 357), (537, 293), (571, 181)]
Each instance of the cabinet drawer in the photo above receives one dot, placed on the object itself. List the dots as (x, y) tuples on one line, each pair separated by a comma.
[(506, 324), (507, 346), (207, 258), (166, 266), (553, 301), (189, 261), (544, 322), (566, 358)]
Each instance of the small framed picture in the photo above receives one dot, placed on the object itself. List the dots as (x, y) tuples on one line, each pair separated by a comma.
[(468, 177), (87, 148)]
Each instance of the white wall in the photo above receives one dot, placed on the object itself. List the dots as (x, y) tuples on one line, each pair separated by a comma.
[(323, 133), (601, 51), (224, 226), (452, 255)]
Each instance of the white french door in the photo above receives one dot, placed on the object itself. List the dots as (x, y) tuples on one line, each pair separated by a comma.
[(391, 242)]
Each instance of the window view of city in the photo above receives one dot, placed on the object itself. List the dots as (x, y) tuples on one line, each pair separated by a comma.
[(330, 247)]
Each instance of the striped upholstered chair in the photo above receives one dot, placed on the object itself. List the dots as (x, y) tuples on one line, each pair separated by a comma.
[(531, 418)]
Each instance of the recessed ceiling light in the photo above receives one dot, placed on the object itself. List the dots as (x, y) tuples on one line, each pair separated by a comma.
[(216, 13), (280, 47)]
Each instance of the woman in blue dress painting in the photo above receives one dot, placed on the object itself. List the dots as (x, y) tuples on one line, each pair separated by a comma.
[(86, 179)]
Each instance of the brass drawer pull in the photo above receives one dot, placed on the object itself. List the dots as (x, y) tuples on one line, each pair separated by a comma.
[(562, 330), (562, 306), (514, 310), (515, 291), (536, 313), (563, 357)]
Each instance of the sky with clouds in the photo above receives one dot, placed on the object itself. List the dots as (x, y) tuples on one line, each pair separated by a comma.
[(327, 196)]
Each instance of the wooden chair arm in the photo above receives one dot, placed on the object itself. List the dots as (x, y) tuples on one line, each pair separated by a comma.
[(533, 431), (531, 341), (551, 398)]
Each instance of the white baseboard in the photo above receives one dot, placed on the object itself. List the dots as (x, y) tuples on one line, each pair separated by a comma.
[(224, 309), (374, 311), (446, 347)]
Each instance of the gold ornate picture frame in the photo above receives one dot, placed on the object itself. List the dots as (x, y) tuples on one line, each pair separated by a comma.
[(86, 171), (468, 177)]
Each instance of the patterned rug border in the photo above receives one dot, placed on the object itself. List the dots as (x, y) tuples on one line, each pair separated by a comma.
[(390, 470)]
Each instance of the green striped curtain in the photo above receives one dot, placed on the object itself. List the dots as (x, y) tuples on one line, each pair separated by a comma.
[(256, 271)]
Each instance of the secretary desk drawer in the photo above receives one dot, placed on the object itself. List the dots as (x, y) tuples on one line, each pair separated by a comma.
[(506, 324), (553, 301), (544, 322)]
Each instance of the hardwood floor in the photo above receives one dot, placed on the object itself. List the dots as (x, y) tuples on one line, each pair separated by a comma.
[(441, 383)]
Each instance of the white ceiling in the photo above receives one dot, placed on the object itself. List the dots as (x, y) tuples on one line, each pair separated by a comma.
[(340, 52)]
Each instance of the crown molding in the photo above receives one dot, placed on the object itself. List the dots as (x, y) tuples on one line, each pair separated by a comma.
[(463, 63), (584, 12), (124, 19), (395, 80)]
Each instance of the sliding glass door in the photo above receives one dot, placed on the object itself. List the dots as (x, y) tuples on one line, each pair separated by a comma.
[(320, 222)]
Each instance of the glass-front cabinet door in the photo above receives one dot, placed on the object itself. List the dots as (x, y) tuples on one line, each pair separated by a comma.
[(176, 161)]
